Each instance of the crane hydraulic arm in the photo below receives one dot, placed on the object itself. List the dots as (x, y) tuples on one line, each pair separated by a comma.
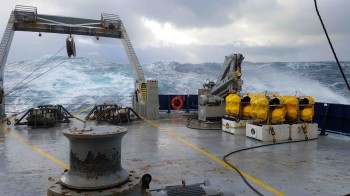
[(230, 76), (212, 97)]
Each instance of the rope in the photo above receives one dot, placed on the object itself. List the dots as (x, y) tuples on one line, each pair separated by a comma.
[(14, 88), (83, 110), (89, 96), (60, 104), (37, 76), (330, 43)]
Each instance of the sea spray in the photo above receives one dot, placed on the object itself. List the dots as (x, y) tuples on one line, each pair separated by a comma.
[(82, 82)]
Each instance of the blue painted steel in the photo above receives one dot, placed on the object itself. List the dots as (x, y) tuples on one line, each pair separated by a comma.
[(323, 130), (190, 102), (331, 117), (168, 100)]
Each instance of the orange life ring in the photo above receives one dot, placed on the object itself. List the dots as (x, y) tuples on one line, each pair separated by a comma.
[(177, 103)]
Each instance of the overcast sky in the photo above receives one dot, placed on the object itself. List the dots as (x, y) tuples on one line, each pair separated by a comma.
[(195, 31)]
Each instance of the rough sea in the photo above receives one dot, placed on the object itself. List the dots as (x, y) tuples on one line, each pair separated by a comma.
[(81, 82)]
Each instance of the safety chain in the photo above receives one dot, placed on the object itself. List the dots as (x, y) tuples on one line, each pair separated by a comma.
[(273, 133), (304, 128)]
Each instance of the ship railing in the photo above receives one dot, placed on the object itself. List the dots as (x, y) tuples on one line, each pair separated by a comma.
[(110, 21), (26, 13), (190, 102)]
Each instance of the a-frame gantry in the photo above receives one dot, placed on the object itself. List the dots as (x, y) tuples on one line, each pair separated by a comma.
[(26, 18)]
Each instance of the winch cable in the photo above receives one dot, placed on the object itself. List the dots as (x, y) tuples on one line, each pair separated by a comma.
[(244, 149), (38, 76), (330, 43), (42, 64), (65, 97)]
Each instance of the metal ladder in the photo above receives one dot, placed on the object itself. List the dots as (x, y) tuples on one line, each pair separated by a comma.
[(4, 50), (132, 56), (6, 41)]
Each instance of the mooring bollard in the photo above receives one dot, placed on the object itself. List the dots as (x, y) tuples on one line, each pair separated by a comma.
[(95, 158), (95, 165)]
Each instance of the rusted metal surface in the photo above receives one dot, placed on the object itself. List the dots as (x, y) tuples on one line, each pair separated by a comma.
[(131, 188), (95, 158)]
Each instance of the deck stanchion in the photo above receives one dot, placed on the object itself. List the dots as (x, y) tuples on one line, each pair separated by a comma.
[(187, 104), (168, 104), (343, 127), (323, 130)]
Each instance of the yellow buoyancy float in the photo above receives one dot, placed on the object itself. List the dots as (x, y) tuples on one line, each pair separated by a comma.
[(277, 108), (306, 108), (233, 104), (246, 106), (259, 104), (292, 105)]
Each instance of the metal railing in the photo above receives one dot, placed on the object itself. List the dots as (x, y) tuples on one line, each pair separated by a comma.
[(26, 13), (110, 21), (190, 102)]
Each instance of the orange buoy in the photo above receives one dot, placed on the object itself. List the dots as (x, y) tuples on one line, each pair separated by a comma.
[(177, 103)]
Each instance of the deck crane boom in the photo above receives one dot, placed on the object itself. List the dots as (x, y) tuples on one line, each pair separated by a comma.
[(230, 76), (211, 97)]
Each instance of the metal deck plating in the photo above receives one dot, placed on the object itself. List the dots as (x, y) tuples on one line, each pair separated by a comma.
[(171, 152)]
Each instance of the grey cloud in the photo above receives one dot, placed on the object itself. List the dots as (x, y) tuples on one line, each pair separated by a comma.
[(189, 14), (318, 52), (294, 20)]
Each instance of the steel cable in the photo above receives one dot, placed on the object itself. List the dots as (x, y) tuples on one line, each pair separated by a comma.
[(330, 43), (14, 88), (89, 96), (38, 76)]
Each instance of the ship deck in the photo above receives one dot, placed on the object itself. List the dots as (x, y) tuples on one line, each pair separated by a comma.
[(170, 152)]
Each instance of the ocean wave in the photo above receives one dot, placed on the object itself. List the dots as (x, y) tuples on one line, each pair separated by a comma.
[(83, 81)]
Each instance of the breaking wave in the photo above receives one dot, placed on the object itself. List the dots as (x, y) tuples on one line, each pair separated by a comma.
[(79, 82)]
